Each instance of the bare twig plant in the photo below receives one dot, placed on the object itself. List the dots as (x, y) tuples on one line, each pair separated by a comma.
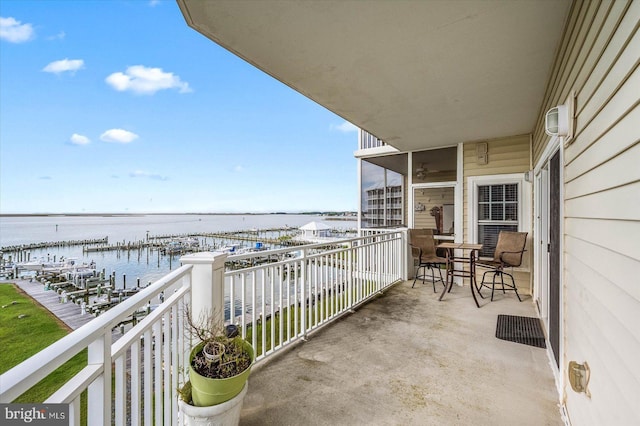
[(222, 354)]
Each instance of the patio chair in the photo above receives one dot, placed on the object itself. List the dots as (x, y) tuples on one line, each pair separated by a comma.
[(508, 253), (423, 248)]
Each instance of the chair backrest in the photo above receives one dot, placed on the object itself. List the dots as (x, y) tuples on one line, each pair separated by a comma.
[(418, 233), (510, 246), (423, 239)]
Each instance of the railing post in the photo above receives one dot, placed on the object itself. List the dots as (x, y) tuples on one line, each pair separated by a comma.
[(406, 259), (99, 395), (207, 284)]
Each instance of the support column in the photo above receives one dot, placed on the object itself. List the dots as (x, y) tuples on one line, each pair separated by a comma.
[(207, 284)]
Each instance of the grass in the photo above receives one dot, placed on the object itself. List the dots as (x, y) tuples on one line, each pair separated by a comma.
[(292, 319), (26, 336)]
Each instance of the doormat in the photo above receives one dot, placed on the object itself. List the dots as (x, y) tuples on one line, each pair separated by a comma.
[(525, 330)]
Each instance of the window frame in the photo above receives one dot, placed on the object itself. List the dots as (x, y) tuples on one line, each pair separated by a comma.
[(524, 200)]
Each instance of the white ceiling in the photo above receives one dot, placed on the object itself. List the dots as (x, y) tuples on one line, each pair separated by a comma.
[(417, 74)]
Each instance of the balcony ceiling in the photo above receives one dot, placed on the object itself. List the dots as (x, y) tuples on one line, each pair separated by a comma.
[(417, 74)]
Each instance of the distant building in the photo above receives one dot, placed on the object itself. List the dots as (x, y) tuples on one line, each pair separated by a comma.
[(313, 230), (383, 207)]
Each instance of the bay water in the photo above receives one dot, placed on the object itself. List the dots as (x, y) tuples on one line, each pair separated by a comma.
[(144, 265)]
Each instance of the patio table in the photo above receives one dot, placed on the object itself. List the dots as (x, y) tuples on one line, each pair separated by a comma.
[(461, 261)]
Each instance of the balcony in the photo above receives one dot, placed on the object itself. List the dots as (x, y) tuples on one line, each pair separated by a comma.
[(405, 358), (368, 141), (364, 346)]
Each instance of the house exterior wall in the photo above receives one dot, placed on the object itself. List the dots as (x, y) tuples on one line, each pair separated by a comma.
[(505, 156), (598, 61)]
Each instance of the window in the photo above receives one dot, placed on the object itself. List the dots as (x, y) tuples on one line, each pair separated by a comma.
[(497, 211), (497, 203), (381, 196)]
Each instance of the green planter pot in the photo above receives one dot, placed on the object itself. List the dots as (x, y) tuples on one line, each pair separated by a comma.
[(206, 392)]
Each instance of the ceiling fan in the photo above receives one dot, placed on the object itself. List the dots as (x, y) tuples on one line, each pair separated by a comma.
[(422, 172)]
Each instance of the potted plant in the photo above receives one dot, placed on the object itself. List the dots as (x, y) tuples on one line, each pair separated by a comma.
[(219, 366)]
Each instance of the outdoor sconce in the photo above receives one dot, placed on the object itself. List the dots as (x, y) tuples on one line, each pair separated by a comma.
[(556, 121), (579, 375)]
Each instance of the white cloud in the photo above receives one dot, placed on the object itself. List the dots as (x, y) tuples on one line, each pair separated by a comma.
[(154, 3), (118, 136), (71, 65), (345, 127), (140, 173), (15, 31), (77, 139), (147, 81), (60, 36), (238, 169)]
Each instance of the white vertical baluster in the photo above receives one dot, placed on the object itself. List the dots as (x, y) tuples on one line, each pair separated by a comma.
[(350, 272), (303, 295), (168, 388), (379, 263), (263, 313), (336, 288), (75, 412), (297, 298), (135, 383), (147, 370), (289, 313), (313, 285), (176, 335), (157, 371), (232, 299), (243, 314), (280, 305), (272, 283), (254, 313), (120, 394)]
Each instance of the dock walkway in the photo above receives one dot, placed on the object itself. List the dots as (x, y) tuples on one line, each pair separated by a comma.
[(69, 312)]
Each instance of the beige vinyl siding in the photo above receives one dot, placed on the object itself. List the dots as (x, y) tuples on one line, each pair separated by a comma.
[(598, 60), (505, 156)]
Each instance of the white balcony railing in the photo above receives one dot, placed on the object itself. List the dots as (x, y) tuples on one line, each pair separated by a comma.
[(367, 140), (133, 380)]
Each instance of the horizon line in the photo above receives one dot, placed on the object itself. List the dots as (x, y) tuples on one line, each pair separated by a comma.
[(309, 212)]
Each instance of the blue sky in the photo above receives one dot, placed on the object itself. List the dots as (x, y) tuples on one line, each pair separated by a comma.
[(118, 106)]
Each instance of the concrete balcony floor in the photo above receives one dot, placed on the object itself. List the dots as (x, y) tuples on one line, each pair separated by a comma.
[(407, 359)]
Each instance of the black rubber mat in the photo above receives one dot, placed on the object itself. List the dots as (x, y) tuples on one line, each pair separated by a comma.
[(525, 330)]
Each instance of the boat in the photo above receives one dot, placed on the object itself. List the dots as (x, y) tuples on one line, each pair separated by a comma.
[(60, 267), (181, 245), (41, 264)]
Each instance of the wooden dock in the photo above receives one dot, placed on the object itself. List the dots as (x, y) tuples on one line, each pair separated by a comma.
[(52, 244), (69, 313)]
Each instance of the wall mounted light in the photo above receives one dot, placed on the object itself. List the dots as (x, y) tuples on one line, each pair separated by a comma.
[(556, 121)]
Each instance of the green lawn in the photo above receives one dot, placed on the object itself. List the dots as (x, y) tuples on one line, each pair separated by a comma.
[(292, 318), (26, 336)]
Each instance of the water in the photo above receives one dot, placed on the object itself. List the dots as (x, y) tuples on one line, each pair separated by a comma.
[(145, 265)]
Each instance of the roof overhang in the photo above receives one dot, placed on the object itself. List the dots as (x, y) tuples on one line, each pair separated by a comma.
[(417, 74)]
